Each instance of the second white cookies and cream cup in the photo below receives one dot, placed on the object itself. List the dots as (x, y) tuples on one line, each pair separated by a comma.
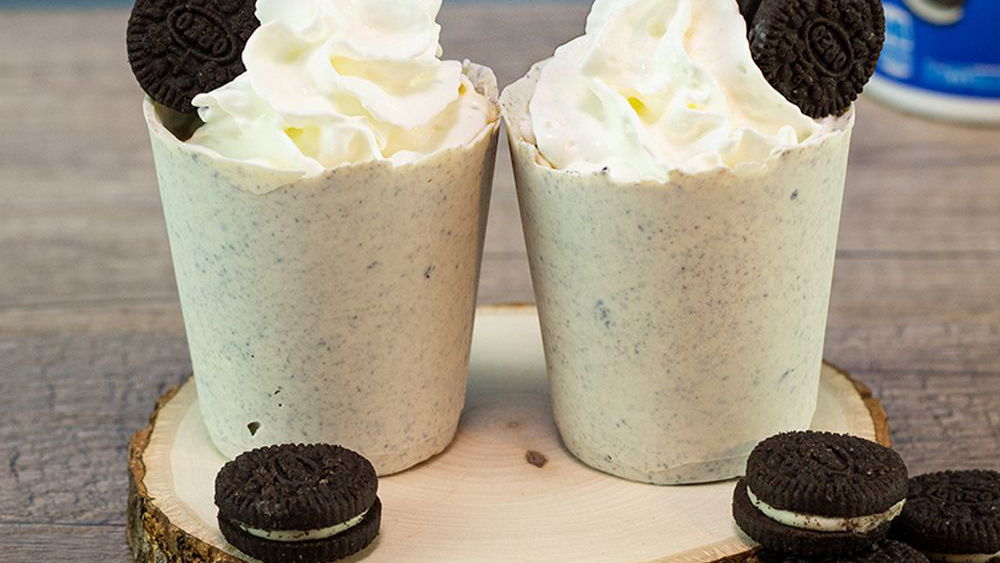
[(681, 218), (326, 224)]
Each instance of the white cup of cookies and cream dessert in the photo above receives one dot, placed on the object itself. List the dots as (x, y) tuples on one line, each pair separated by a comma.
[(325, 178), (680, 187)]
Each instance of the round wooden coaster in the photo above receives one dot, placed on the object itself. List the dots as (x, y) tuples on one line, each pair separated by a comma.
[(506, 489)]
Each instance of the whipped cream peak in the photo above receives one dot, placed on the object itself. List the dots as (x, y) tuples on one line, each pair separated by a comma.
[(387, 29), (661, 85), (333, 82)]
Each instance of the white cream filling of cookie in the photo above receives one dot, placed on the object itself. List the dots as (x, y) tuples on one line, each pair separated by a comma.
[(303, 535), (858, 524), (964, 557)]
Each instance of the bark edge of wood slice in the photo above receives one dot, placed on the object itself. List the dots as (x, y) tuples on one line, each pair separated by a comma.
[(162, 529)]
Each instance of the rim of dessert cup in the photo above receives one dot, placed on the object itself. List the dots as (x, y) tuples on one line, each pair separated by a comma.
[(483, 78), (838, 126)]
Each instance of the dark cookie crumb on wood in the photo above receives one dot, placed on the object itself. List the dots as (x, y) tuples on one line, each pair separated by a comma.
[(537, 459)]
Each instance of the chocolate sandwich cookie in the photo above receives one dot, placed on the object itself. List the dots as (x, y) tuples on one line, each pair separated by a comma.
[(302, 503), (181, 48), (886, 551), (748, 9), (819, 494), (953, 516), (818, 53)]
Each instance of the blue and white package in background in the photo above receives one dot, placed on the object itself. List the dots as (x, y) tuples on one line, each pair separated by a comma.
[(941, 58)]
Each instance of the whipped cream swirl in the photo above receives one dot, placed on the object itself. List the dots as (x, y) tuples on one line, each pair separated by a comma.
[(661, 85), (332, 82)]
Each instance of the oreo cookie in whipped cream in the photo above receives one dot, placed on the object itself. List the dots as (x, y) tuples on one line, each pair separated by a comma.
[(180, 48), (306, 503), (818, 494), (818, 53)]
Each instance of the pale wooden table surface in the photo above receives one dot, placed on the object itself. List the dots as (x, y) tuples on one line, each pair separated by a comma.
[(90, 326)]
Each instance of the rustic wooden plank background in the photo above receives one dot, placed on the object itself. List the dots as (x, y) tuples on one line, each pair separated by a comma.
[(90, 327)]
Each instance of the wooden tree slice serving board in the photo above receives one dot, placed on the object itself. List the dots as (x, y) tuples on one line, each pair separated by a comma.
[(506, 490)]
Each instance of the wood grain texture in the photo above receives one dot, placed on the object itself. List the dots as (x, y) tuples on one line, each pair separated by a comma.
[(483, 499), (90, 328)]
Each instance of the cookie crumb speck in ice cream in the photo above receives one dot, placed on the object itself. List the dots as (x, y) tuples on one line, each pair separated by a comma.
[(306, 202), (681, 218)]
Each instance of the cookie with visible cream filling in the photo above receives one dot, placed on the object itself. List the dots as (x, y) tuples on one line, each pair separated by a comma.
[(305, 503), (819, 494)]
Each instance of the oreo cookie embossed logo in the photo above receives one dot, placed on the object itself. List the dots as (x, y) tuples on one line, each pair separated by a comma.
[(830, 47), (181, 48), (205, 34)]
